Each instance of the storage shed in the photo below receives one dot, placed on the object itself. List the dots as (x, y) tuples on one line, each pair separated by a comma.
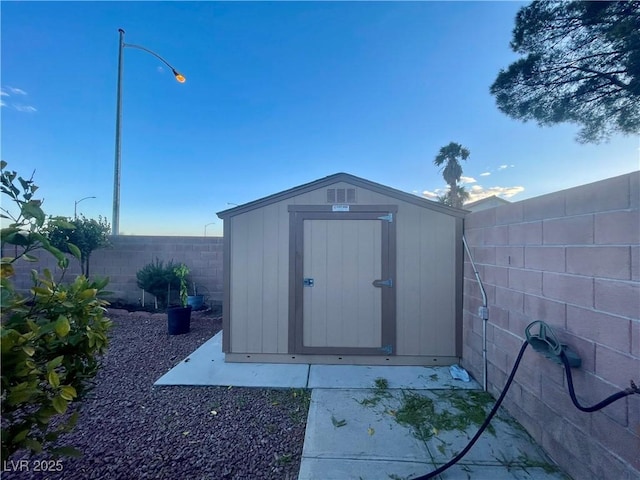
[(343, 270)]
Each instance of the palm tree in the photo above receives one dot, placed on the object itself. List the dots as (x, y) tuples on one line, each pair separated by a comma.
[(449, 159), (462, 194)]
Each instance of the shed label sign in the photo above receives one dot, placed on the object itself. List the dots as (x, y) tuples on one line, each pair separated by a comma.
[(340, 208)]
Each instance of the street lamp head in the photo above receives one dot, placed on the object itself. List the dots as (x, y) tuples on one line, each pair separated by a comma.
[(179, 77)]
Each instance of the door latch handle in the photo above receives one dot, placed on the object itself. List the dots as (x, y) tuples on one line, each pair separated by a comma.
[(308, 282), (382, 283)]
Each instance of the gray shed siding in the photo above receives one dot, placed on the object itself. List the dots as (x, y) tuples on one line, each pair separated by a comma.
[(257, 275)]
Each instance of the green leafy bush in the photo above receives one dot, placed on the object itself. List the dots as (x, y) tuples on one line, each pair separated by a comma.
[(85, 233), (51, 338), (159, 280)]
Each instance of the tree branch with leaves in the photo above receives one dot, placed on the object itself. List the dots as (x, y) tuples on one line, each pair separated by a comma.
[(580, 65)]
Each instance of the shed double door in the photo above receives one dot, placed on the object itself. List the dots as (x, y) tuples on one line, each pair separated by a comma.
[(347, 280)]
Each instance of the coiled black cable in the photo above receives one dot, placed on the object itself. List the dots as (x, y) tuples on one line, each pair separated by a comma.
[(567, 368)]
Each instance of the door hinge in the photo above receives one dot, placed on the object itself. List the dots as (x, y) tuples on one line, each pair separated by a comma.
[(387, 349), (388, 217), (383, 283)]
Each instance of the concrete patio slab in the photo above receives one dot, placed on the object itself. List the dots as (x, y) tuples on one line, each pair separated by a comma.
[(206, 366)]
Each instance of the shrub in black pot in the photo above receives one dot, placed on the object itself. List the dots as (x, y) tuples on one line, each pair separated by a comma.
[(179, 318), (158, 280)]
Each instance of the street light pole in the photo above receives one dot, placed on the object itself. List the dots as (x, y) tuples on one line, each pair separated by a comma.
[(115, 223), (205, 227), (75, 206)]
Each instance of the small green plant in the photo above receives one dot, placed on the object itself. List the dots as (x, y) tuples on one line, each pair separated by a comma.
[(51, 339), (181, 272), (158, 280)]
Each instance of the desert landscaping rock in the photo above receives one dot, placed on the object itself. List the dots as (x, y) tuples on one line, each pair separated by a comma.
[(130, 429)]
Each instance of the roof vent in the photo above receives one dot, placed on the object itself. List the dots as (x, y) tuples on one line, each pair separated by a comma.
[(341, 195)]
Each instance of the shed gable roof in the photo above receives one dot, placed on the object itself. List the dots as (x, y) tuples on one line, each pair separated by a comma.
[(347, 178)]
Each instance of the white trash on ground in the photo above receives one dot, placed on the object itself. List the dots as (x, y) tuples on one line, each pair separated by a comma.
[(459, 373)]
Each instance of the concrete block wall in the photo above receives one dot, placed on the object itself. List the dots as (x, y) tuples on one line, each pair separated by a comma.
[(571, 259), (128, 254)]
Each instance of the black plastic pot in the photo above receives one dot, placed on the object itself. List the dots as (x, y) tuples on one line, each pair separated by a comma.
[(179, 319)]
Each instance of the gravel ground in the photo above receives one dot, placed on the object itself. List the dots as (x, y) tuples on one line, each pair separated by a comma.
[(130, 429)]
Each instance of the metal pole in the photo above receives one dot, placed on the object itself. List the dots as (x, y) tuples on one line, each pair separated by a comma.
[(483, 313), (115, 224)]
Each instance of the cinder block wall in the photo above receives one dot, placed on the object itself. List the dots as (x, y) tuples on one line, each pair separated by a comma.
[(571, 259), (128, 254)]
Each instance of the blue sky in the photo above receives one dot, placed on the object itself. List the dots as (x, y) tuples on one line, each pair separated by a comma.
[(277, 94)]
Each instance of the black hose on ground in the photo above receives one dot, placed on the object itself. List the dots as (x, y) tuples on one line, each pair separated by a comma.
[(485, 424), (567, 368)]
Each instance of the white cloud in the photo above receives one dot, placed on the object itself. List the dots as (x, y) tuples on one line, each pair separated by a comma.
[(9, 91), (503, 167), (485, 174), (430, 195), (478, 193), (16, 91), (464, 179), (24, 108)]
